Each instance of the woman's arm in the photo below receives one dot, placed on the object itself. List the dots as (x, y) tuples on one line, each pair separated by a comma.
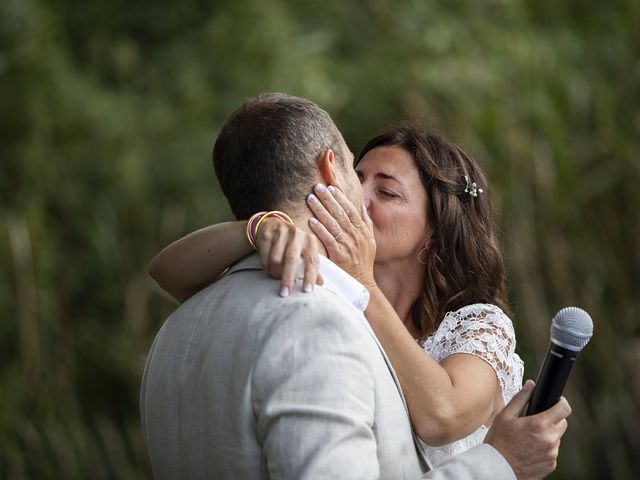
[(446, 401), (192, 263)]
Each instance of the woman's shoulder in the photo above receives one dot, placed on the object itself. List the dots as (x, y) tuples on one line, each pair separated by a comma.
[(485, 331), (479, 317), (479, 311), (474, 327)]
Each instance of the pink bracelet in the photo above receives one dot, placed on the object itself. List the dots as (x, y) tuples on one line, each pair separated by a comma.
[(249, 231)]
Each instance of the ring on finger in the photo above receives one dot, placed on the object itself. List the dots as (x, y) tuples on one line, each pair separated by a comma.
[(338, 235)]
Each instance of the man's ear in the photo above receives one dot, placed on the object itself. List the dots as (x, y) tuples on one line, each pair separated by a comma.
[(328, 165)]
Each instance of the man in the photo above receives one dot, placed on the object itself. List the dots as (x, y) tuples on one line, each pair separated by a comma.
[(241, 383)]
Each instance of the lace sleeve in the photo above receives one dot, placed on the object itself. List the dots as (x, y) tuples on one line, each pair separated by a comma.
[(485, 331)]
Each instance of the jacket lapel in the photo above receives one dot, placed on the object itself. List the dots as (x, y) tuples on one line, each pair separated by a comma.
[(252, 262), (419, 445)]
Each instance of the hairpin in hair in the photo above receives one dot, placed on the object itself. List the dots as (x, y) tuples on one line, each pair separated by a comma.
[(471, 188)]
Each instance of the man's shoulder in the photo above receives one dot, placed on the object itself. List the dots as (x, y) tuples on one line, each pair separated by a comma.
[(322, 301), (246, 280), (250, 292)]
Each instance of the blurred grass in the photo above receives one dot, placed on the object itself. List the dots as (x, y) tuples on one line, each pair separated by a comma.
[(108, 113)]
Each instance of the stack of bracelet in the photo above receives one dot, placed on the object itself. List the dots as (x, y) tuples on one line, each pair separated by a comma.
[(258, 218)]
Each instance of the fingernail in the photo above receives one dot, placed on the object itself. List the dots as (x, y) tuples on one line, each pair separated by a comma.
[(528, 385), (308, 288), (331, 189), (319, 188), (313, 221), (284, 292), (311, 198)]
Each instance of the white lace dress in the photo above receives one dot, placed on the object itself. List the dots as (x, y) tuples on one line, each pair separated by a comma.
[(485, 331)]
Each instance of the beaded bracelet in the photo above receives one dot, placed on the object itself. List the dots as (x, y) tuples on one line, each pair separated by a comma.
[(252, 233)]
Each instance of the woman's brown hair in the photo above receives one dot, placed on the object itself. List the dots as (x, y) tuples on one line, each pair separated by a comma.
[(464, 264)]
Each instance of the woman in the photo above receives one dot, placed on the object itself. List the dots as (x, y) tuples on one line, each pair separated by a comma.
[(437, 284)]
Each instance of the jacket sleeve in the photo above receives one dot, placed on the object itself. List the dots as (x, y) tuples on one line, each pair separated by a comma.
[(478, 463)]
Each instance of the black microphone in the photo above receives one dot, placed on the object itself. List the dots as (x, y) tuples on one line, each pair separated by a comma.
[(571, 330)]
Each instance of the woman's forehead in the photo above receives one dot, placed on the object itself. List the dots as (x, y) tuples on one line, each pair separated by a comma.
[(389, 162)]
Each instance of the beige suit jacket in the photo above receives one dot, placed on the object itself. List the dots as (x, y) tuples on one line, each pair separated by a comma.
[(243, 384)]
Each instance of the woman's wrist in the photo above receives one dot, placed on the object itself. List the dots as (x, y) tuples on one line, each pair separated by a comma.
[(370, 284), (257, 220), (250, 232)]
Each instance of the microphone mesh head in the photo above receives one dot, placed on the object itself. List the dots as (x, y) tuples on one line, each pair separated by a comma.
[(571, 328)]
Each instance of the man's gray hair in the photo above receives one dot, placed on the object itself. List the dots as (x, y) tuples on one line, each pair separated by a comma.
[(266, 154)]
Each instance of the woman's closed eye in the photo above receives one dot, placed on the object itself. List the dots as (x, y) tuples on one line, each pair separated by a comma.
[(388, 193)]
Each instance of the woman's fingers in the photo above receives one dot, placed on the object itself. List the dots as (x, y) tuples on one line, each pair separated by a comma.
[(335, 211), (264, 243), (311, 262), (366, 218), (345, 232), (279, 250), (354, 216), (300, 244), (280, 247), (328, 240), (291, 257), (324, 216), (331, 205)]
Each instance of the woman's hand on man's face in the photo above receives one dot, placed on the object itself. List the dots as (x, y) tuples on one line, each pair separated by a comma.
[(280, 247), (346, 233)]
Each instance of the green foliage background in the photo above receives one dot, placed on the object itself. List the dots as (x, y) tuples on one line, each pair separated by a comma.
[(109, 109)]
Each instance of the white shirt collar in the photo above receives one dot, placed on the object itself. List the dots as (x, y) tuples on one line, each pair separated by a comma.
[(344, 284)]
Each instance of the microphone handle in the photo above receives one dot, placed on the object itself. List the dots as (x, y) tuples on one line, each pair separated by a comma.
[(551, 379)]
